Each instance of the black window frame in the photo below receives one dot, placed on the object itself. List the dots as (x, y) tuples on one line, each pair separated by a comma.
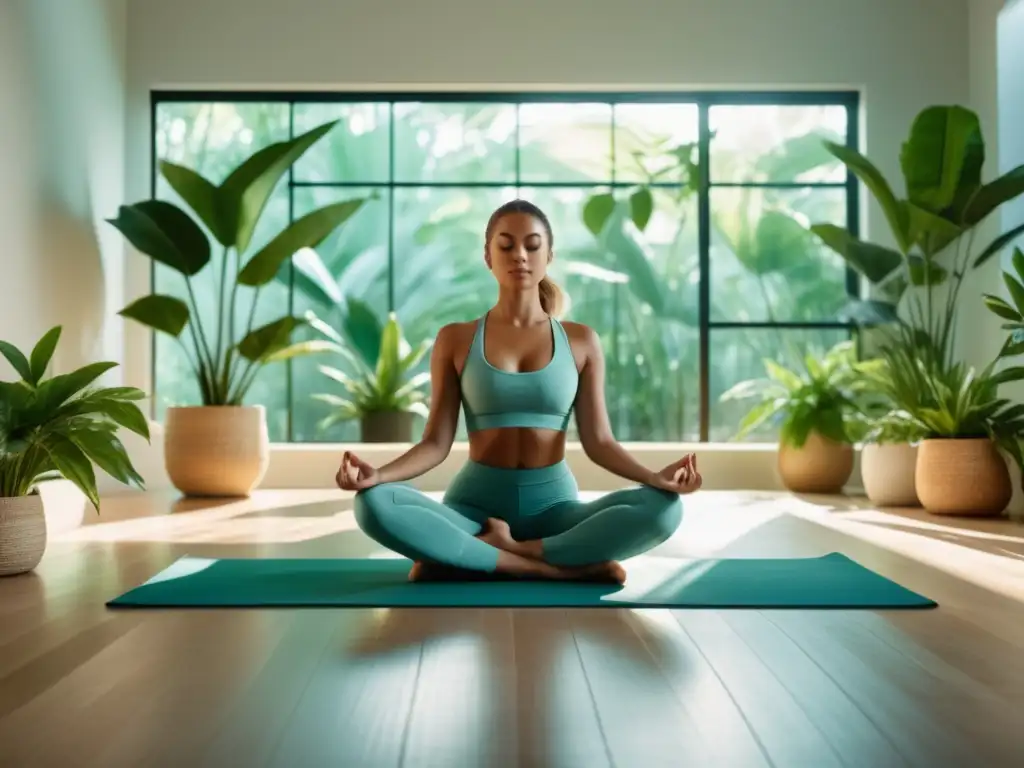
[(703, 100)]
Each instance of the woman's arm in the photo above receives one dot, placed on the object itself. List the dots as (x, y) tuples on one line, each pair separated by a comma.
[(439, 433), (593, 425)]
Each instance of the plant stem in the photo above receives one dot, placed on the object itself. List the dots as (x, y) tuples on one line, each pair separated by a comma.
[(220, 310), (199, 324)]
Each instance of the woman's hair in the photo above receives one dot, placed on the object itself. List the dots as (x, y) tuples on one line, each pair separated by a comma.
[(552, 298)]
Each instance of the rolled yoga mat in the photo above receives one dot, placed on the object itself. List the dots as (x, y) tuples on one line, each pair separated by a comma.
[(829, 581)]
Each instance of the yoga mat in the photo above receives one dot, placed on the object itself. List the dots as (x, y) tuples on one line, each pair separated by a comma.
[(830, 581)]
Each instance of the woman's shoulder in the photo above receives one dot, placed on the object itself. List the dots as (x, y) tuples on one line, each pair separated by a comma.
[(580, 333), (455, 338)]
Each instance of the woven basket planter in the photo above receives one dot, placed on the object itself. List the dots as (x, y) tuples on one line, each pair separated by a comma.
[(216, 450), (22, 533), (820, 465), (962, 477)]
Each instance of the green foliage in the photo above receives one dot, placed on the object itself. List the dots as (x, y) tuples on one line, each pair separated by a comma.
[(945, 198), (225, 362), (62, 426), (381, 380), (1011, 311), (894, 427), (825, 397), (950, 400)]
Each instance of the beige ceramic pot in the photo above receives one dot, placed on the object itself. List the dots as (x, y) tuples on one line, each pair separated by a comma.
[(820, 465), (216, 450), (22, 533), (962, 477), (888, 471)]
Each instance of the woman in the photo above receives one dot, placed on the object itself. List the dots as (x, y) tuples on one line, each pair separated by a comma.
[(518, 373)]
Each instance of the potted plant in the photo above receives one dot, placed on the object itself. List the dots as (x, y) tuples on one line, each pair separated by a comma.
[(819, 413), (959, 467), (944, 199), (51, 428), (380, 393), (888, 459), (220, 447)]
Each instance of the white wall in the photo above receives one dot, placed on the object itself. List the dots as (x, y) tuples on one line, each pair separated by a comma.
[(903, 54), (62, 88)]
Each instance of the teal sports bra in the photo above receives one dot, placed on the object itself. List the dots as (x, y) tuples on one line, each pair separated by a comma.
[(493, 398)]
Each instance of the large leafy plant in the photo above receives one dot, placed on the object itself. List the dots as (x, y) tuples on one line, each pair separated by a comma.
[(1012, 312), (944, 199), (377, 382), (827, 397), (225, 359), (61, 426)]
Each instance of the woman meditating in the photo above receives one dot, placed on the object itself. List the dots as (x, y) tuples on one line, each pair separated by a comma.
[(518, 373)]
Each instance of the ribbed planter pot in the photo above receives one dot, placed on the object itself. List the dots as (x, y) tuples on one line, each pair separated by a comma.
[(386, 427), (962, 477), (889, 474), (22, 533), (216, 450), (820, 465)]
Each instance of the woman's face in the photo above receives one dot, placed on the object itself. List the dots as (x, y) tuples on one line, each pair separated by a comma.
[(519, 251)]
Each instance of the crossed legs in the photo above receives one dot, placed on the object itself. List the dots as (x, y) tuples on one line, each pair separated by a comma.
[(569, 540)]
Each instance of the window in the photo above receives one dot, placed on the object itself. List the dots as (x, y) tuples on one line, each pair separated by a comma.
[(722, 275)]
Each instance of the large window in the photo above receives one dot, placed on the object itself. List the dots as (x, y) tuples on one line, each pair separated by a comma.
[(723, 275)]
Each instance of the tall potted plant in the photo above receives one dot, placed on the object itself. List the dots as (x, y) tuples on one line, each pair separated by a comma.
[(819, 412), (56, 427), (944, 199), (380, 393), (220, 447)]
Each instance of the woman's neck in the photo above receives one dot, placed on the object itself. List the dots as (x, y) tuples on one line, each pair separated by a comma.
[(519, 308)]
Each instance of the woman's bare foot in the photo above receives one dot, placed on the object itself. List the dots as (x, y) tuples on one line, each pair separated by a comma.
[(497, 533)]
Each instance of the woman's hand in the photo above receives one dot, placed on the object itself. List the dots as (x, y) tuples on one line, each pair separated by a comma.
[(680, 477), (355, 474)]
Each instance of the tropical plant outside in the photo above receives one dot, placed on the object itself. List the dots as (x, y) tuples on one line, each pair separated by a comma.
[(418, 251), (62, 426)]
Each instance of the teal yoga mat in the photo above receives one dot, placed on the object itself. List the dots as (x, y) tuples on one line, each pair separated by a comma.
[(830, 581)]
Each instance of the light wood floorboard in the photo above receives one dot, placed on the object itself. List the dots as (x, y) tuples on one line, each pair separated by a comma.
[(82, 685)]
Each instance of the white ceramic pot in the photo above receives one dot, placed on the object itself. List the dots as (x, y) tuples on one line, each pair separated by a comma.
[(216, 450), (22, 533), (820, 465), (888, 471)]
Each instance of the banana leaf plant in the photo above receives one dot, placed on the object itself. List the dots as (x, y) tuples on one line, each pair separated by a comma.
[(944, 199), (62, 426), (224, 359), (377, 381)]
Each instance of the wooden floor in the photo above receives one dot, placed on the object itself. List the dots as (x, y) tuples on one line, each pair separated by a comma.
[(81, 685)]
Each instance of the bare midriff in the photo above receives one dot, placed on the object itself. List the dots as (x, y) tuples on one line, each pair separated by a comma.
[(517, 447)]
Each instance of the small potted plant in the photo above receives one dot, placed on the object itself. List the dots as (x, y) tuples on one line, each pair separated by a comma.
[(379, 392), (888, 459), (819, 413), (53, 428), (220, 447)]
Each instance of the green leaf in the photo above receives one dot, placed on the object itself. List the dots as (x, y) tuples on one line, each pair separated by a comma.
[(999, 307), (931, 232), (301, 349), (73, 465), (388, 360), (306, 232), (783, 376), (933, 157), (201, 196), (873, 179), (247, 189), (166, 234), (596, 212), (633, 258), (873, 261), (167, 314), (364, 329), (780, 242), (1007, 187), (924, 272), (127, 415), (1016, 290), (42, 353), (17, 360), (998, 244), (268, 339), (1008, 375), (641, 206), (108, 453), (57, 390)]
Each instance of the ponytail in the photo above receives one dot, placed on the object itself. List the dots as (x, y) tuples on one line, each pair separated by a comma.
[(552, 298)]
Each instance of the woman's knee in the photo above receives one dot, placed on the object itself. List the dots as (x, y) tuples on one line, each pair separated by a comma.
[(661, 510), (371, 507)]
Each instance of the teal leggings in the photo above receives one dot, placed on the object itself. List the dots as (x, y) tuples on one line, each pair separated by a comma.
[(536, 503)]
